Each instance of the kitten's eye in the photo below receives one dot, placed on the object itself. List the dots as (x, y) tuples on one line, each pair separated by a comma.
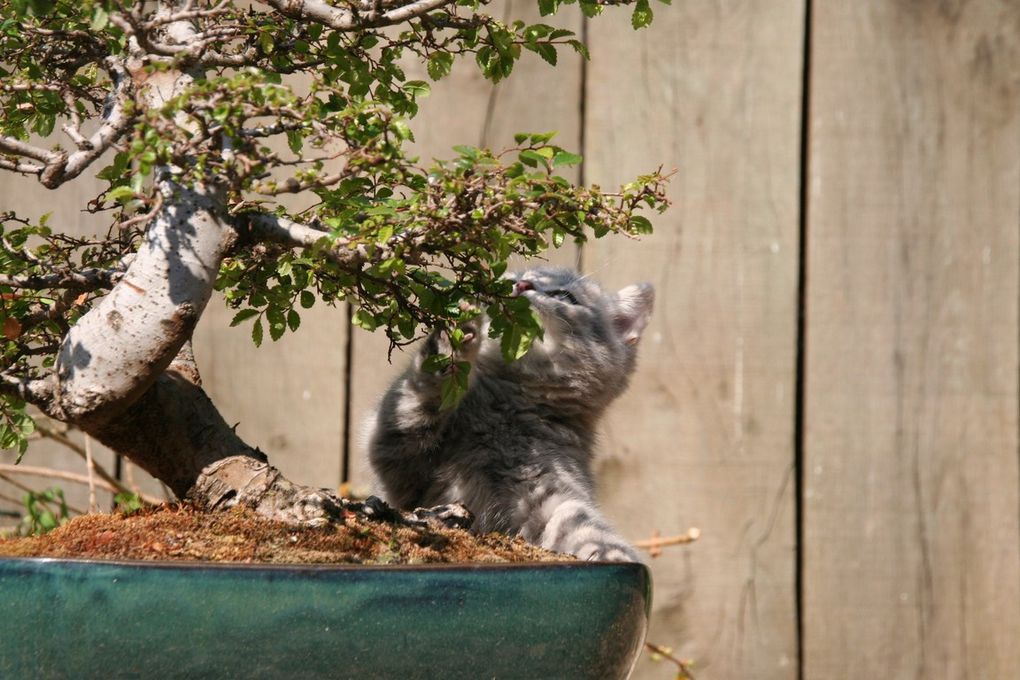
[(564, 295)]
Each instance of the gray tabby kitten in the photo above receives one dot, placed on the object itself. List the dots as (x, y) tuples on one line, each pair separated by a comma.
[(517, 450)]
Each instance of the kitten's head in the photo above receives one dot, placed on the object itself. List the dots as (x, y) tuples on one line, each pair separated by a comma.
[(589, 347)]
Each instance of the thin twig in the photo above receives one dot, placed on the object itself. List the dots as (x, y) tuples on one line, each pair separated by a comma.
[(51, 473), (28, 489), (91, 467), (655, 544), (682, 666)]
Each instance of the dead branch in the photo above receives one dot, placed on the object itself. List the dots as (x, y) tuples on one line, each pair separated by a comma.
[(656, 543)]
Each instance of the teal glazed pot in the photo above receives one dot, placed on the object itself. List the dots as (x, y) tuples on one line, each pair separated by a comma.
[(91, 619)]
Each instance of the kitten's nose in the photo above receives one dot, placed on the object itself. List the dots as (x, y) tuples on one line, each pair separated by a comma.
[(522, 286)]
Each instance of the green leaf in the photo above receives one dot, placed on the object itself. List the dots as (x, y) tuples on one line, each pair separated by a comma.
[(544, 50), (565, 158), (547, 7), (580, 48), (243, 315), (417, 88), (590, 8), (100, 18), (439, 65), (364, 319), (277, 323), (121, 194), (307, 299), (256, 333), (266, 42), (557, 238), (44, 123), (531, 158), (640, 225), (642, 15), (128, 503), (293, 320), (466, 151), (453, 388), (436, 363), (295, 140), (402, 130), (518, 338)]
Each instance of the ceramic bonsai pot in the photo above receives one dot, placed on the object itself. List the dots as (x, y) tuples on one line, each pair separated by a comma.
[(92, 619)]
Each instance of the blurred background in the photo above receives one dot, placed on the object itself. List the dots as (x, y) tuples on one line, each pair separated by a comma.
[(829, 386)]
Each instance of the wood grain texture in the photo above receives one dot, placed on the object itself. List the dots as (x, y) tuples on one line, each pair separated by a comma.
[(467, 109), (704, 437), (286, 396), (910, 510)]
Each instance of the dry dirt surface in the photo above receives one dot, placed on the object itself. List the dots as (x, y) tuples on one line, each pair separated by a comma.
[(178, 532)]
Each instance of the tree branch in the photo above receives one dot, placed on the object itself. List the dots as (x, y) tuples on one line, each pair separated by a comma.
[(74, 477), (277, 229), (18, 148), (116, 122), (347, 253), (22, 168), (348, 20), (34, 391), (90, 278)]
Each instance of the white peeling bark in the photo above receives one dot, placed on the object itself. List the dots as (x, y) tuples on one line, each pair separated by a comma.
[(118, 349)]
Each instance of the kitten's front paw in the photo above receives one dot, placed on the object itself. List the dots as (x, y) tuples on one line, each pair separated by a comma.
[(608, 553), (463, 344)]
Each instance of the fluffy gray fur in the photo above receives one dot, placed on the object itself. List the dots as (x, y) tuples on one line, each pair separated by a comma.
[(518, 449)]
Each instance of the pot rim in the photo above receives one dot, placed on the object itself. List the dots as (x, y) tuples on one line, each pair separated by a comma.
[(256, 566)]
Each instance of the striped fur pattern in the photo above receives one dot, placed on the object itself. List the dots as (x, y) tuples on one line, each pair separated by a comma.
[(517, 450)]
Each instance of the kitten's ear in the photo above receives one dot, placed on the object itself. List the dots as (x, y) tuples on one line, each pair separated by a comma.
[(633, 310)]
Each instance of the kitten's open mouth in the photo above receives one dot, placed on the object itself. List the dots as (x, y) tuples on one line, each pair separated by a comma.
[(521, 287)]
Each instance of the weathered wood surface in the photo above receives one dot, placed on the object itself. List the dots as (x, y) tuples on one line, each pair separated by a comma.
[(910, 513), (705, 435), (287, 396)]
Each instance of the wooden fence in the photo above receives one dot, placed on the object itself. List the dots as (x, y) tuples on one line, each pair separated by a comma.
[(829, 388)]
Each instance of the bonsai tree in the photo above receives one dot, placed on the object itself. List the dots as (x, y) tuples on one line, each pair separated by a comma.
[(177, 106)]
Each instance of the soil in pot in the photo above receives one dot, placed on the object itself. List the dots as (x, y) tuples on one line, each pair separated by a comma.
[(180, 532)]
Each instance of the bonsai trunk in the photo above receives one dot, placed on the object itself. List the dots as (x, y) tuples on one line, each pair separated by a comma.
[(174, 432), (125, 373)]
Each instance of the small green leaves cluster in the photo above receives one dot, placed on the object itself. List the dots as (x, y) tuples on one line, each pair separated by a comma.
[(44, 511), (128, 503), (15, 425)]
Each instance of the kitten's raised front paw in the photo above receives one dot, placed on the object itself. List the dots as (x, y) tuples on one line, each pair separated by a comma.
[(462, 346)]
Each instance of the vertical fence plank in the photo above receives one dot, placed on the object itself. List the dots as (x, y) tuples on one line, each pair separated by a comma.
[(911, 527), (704, 437), (466, 109), (286, 396)]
